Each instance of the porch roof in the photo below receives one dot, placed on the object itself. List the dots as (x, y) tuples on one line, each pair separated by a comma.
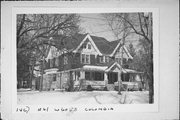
[(131, 71), (95, 68), (104, 68)]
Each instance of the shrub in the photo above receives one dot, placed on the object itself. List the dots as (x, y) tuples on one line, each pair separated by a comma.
[(89, 88)]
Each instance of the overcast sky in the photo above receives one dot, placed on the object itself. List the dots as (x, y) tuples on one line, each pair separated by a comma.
[(95, 25)]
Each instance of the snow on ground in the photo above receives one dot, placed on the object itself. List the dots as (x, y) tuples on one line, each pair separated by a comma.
[(82, 97)]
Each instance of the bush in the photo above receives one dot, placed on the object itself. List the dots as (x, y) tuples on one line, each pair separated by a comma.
[(89, 88), (105, 89)]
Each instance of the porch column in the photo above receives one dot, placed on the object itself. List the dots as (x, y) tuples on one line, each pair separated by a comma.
[(105, 78), (81, 79), (119, 82)]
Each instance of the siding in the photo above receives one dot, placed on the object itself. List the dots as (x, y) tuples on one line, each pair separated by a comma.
[(76, 61)]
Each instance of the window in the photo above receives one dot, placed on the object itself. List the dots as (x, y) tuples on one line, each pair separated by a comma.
[(54, 77), (85, 58), (89, 46), (56, 61), (98, 76), (87, 76), (65, 60), (106, 59), (101, 59), (51, 63), (84, 46)]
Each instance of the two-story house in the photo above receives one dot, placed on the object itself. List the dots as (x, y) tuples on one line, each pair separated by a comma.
[(92, 59)]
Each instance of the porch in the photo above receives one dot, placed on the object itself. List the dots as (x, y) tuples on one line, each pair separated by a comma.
[(97, 77)]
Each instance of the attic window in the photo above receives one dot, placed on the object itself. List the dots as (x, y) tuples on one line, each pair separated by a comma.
[(89, 46), (84, 46)]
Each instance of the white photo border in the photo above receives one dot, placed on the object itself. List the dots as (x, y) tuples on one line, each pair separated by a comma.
[(117, 108)]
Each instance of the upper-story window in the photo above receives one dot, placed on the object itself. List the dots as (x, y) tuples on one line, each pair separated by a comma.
[(57, 61), (106, 59), (65, 60), (52, 62), (103, 59), (89, 46), (85, 58)]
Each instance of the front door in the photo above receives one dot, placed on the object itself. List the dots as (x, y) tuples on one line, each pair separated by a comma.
[(112, 77)]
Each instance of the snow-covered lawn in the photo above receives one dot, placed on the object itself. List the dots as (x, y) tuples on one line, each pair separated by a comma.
[(82, 97)]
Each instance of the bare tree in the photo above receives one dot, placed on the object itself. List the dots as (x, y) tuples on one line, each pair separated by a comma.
[(33, 33), (141, 25)]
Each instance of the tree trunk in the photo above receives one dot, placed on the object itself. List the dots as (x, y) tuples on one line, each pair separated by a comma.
[(42, 72)]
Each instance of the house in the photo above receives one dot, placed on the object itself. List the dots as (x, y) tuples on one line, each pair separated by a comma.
[(85, 60)]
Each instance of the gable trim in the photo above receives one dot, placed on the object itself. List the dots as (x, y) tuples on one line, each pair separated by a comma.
[(115, 49), (109, 68), (127, 52), (123, 48), (92, 42)]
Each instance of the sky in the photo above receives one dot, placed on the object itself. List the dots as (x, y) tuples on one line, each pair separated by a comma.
[(95, 24)]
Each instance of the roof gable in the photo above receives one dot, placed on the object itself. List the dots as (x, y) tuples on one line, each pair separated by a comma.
[(104, 46), (113, 67), (121, 48), (101, 45), (91, 41)]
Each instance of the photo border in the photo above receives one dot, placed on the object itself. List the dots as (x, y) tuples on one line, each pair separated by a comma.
[(117, 108)]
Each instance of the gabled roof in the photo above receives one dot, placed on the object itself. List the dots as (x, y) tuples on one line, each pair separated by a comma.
[(68, 42), (71, 43), (74, 42), (103, 45), (110, 67), (88, 37)]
